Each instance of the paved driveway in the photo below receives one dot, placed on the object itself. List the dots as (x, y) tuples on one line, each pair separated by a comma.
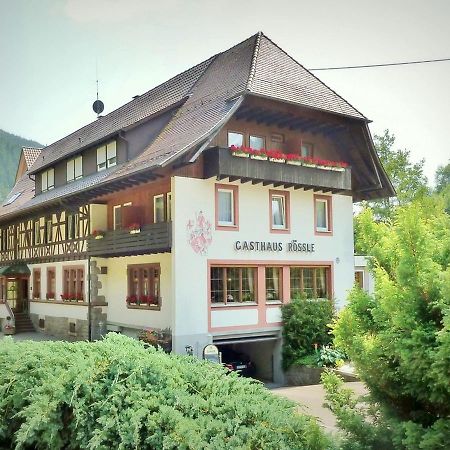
[(311, 399), (31, 336)]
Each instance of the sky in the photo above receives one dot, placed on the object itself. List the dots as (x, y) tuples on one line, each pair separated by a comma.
[(51, 52)]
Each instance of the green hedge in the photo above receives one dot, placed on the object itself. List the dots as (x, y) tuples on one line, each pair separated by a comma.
[(305, 323), (118, 394)]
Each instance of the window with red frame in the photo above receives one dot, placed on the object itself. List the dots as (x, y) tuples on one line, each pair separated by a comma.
[(36, 283), (51, 283), (144, 284), (73, 283)]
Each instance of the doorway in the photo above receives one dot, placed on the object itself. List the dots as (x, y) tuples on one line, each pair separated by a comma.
[(17, 294)]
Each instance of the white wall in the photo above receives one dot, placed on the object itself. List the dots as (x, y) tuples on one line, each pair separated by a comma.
[(114, 288), (59, 266), (190, 196)]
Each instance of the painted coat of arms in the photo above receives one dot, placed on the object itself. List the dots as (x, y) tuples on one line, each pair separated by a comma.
[(199, 233)]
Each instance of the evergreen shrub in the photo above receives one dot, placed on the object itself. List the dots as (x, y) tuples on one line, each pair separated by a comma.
[(117, 393), (305, 323)]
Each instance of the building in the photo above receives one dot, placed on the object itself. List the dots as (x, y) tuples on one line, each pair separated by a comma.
[(168, 213)]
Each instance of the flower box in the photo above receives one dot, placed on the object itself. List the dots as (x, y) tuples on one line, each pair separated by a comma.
[(338, 169), (99, 236), (277, 160), (241, 154), (260, 157), (294, 162), (135, 231)]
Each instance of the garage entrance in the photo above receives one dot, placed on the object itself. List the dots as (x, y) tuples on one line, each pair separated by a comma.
[(263, 352)]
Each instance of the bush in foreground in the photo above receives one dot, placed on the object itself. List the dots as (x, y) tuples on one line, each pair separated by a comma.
[(118, 394), (399, 338)]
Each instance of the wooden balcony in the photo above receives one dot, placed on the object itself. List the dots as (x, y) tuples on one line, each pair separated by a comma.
[(220, 162), (154, 238)]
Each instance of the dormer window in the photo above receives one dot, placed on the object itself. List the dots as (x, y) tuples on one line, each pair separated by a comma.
[(75, 169), (48, 179), (106, 156)]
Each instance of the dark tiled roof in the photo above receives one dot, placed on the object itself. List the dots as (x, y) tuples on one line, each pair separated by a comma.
[(142, 107), (30, 154), (277, 75), (209, 93)]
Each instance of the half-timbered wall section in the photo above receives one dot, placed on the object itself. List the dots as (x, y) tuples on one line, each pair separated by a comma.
[(56, 236)]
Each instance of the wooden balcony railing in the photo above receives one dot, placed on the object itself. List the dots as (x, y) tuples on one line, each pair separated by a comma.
[(154, 238), (220, 162)]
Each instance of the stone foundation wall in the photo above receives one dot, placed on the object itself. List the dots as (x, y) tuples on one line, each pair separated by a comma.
[(60, 327)]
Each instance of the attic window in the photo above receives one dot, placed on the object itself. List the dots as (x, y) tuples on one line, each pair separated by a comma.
[(13, 198), (48, 179), (106, 156), (75, 168)]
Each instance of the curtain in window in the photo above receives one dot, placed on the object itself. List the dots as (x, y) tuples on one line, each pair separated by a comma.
[(321, 282), (321, 211), (225, 207), (278, 218)]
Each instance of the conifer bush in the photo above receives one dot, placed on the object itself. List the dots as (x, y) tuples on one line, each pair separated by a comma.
[(118, 394)]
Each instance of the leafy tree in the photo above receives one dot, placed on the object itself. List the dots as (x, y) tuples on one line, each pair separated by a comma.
[(442, 178), (407, 178), (399, 339), (118, 394)]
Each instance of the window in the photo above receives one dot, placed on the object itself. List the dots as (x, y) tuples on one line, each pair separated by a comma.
[(169, 207), (144, 285), (75, 168), (227, 207), (36, 283), (73, 283), (307, 150), (231, 285), (279, 211), (359, 279), (48, 180), (274, 283), (309, 282), (118, 217), (72, 328), (158, 208), (257, 142), (322, 214), (106, 156), (236, 139), (51, 283), (37, 232)]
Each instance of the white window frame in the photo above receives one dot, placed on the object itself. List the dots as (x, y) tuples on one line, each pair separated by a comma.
[(74, 169), (114, 217), (283, 226), (233, 219), (169, 207), (235, 132), (155, 198), (327, 221), (257, 137), (363, 278), (106, 156), (45, 179)]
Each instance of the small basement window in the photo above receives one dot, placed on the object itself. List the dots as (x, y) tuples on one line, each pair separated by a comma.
[(41, 323), (72, 328)]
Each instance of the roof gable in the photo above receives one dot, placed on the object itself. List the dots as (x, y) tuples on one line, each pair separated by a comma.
[(278, 76)]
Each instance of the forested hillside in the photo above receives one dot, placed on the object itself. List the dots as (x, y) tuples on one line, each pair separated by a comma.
[(10, 148)]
